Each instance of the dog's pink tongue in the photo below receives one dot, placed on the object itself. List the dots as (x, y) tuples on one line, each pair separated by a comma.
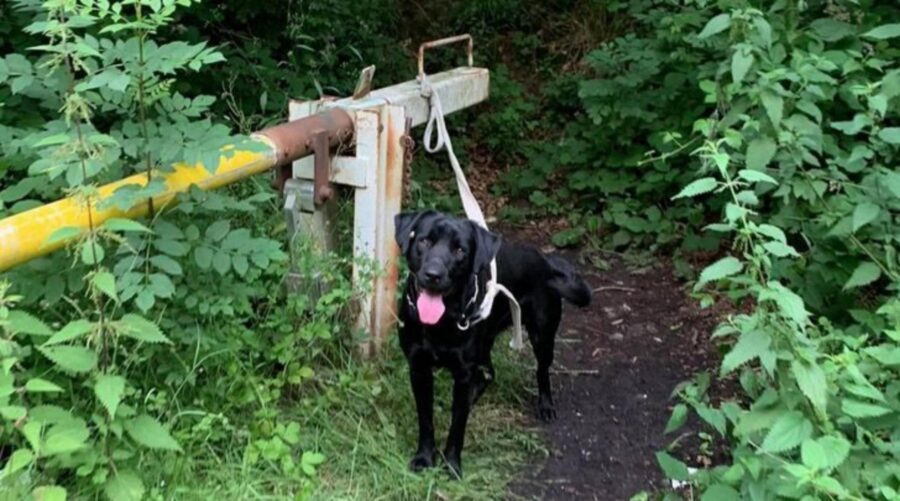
[(431, 307)]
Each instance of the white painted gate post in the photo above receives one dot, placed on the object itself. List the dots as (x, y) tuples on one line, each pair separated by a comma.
[(376, 174)]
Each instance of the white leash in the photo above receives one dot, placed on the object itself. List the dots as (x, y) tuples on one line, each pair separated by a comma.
[(470, 205)]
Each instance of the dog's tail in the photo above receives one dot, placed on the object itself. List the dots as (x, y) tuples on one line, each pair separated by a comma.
[(568, 282)]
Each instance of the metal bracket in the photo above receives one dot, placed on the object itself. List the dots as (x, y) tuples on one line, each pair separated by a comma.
[(444, 41), (322, 169)]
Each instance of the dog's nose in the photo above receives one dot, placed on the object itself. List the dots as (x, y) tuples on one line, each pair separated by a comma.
[(432, 273)]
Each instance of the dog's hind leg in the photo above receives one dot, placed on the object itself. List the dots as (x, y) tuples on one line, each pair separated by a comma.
[(483, 374), (542, 322)]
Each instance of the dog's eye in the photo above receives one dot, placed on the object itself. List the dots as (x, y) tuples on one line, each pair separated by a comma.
[(460, 252), (425, 243)]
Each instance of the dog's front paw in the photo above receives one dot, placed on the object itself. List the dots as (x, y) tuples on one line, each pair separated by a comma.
[(546, 411), (421, 461)]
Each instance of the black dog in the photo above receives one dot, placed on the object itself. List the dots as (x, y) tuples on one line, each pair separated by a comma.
[(449, 262)]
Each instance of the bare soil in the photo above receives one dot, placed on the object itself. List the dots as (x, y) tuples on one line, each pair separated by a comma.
[(616, 365)]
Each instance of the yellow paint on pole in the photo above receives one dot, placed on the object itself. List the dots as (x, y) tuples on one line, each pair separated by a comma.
[(23, 237)]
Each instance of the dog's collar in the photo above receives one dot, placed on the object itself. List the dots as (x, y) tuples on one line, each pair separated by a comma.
[(469, 315)]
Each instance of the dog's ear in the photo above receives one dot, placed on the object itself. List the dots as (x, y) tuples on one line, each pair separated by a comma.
[(404, 228), (486, 246)]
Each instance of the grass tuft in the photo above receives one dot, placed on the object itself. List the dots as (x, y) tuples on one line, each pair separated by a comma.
[(361, 416)]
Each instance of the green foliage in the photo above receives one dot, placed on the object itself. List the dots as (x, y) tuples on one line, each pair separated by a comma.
[(799, 152), (87, 389)]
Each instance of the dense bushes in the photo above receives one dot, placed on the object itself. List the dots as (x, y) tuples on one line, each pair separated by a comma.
[(799, 144), (775, 123), (145, 338)]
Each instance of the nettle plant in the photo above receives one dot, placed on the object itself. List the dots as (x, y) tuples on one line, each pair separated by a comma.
[(803, 153), (96, 101)]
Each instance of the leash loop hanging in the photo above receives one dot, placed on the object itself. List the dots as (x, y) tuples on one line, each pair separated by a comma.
[(436, 138)]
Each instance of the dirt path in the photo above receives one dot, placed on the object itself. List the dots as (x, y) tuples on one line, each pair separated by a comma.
[(616, 365)]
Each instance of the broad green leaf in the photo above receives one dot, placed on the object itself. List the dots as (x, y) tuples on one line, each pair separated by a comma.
[(673, 468), (92, 252), (734, 212), (892, 182), (676, 421), (124, 486), (741, 62), (49, 493), (883, 32), (105, 282), (890, 134), (864, 214), (64, 437), (779, 249), (865, 390), (18, 460), (722, 268), (138, 327), (715, 25), (161, 285), (109, 389), (24, 323), (832, 486), (720, 492), (38, 385), (812, 382), (760, 152), (860, 121), (240, 264), (878, 104), (790, 304), (773, 232), (831, 30), (864, 274), (239, 239), (52, 140), (750, 345), (890, 84), (698, 187), (32, 431), (166, 264), (7, 384), (755, 176), (222, 262), (218, 230), (12, 412), (63, 234), (313, 458), (789, 431), (145, 300), (70, 358), (118, 224), (73, 330), (835, 450), (886, 354), (774, 105), (858, 409), (810, 109), (713, 417), (203, 257), (171, 247), (150, 433)]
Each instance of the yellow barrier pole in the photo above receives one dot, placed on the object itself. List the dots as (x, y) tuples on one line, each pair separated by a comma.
[(24, 236)]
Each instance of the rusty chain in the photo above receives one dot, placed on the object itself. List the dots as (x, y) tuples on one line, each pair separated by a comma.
[(408, 144)]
